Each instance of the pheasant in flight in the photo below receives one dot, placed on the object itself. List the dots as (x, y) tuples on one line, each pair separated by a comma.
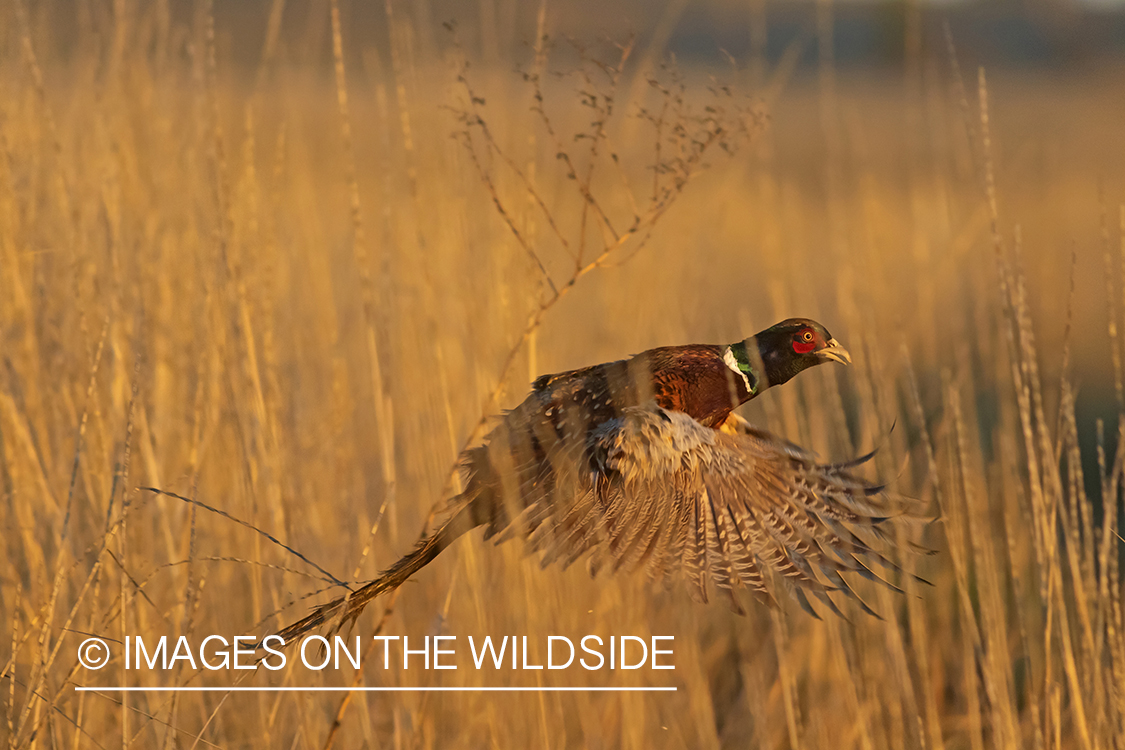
[(641, 463)]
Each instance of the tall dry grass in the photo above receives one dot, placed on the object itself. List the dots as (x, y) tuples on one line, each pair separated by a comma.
[(292, 293)]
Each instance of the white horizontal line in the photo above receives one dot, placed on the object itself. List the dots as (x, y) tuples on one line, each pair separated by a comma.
[(291, 689)]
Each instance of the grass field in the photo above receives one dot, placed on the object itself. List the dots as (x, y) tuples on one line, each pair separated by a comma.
[(292, 291)]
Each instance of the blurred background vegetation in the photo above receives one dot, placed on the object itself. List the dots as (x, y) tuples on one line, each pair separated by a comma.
[(282, 258)]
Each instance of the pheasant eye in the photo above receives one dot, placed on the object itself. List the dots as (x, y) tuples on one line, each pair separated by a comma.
[(804, 342)]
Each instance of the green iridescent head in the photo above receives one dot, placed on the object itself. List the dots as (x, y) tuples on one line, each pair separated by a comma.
[(775, 355)]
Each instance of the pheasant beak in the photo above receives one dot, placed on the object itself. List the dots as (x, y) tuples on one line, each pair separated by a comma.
[(836, 352)]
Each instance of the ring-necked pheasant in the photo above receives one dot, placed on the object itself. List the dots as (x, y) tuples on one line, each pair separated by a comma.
[(642, 463)]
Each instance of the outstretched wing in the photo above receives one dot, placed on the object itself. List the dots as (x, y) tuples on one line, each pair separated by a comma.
[(736, 507)]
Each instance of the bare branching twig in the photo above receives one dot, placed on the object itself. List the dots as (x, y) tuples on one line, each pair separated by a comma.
[(684, 132)]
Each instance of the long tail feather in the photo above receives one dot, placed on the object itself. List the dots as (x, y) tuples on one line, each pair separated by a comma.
[(347, 608)]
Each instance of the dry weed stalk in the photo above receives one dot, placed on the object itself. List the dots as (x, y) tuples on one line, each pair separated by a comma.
[(684, 133)]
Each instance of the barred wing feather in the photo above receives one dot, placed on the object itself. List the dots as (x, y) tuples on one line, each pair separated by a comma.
[(654, 489), (733, 508)]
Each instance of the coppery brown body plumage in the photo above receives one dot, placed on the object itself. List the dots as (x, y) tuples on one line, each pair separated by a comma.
[(692, 379)]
